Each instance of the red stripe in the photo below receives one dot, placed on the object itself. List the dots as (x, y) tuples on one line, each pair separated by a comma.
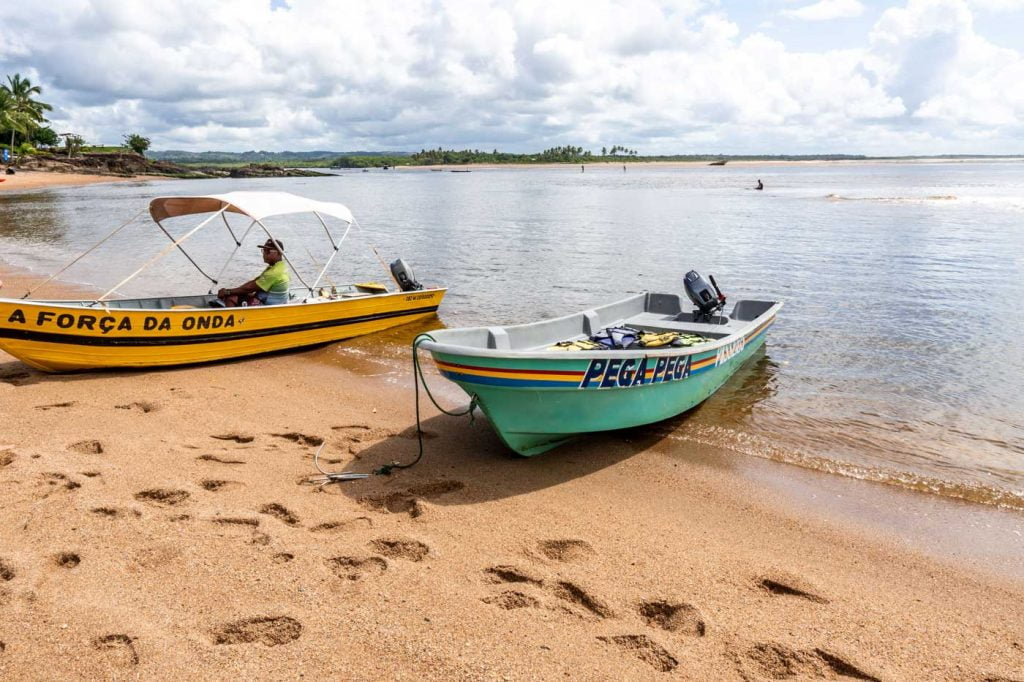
[(515, 371)]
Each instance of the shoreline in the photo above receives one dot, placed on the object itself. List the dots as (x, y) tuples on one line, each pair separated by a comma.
[(35, 180), (164, 518), (32, 180)]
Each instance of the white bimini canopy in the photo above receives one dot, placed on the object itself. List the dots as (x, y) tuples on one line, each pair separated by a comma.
[(256, 205)]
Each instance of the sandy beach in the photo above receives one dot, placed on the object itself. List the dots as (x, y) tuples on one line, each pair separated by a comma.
[(26, 180), (161, 524)]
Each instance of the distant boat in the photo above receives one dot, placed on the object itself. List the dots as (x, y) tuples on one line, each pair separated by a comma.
[(461, 171), (719, 162), (437, 170)]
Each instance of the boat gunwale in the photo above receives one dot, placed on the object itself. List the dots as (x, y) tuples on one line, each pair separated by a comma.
[(76, 304), (535, 354)]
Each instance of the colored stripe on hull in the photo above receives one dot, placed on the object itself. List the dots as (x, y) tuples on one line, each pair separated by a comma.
[(82, 340)]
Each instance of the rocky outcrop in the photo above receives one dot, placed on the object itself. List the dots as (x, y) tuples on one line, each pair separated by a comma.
[(129, 164), (267, 170)]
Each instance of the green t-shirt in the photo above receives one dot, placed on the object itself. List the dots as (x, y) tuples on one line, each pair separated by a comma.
[(274, 280)]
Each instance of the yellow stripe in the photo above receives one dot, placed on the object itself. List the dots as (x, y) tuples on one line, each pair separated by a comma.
[(506, 375)]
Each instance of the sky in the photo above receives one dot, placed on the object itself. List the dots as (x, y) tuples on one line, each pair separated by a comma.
[(919, 77)]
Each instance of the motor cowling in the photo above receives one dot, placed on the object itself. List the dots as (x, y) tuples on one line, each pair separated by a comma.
[(706, 298), (403, 274)]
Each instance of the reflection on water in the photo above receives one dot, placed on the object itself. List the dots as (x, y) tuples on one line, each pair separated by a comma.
[(896, 358)]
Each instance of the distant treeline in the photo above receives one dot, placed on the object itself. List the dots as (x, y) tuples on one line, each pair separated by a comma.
[(440, 156), (319, 159)]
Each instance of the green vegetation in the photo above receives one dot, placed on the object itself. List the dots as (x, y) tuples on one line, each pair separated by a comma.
[(20, 111), (137, 143), (73, 143), (315, 159)]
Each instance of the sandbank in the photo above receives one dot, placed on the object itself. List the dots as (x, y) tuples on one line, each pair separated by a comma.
[(161, 524), (26, 180)]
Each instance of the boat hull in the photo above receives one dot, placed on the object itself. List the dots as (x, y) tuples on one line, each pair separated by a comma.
[(536, 404), (56, 337)]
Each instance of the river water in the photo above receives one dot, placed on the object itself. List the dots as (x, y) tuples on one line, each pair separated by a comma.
[(898, 356)]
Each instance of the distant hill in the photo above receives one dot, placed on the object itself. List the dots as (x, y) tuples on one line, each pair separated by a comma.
[(178, 156)]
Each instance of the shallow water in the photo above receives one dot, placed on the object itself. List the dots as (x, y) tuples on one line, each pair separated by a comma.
[(897, 358)]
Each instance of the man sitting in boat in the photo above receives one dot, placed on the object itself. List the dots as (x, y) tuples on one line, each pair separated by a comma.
[(270, 288)]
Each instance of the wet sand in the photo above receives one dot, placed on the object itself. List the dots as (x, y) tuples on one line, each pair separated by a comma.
[(26, 180), (160, 524)]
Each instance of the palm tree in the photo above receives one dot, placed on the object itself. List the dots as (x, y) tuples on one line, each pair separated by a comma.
[(27, 112), (9, 117)]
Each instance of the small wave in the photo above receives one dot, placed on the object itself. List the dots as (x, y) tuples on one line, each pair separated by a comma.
[(895, 200), (748, 445)]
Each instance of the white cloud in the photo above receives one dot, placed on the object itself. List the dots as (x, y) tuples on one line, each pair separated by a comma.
[(998, 5), (826, 10), (657, 76)]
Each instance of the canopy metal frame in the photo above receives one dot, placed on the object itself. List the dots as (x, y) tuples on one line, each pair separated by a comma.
[(225, 207)]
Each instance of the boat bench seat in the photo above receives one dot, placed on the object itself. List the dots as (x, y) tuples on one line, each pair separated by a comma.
[(668, 323)]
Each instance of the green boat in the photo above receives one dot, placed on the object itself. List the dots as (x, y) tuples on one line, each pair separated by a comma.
[(540, 386)]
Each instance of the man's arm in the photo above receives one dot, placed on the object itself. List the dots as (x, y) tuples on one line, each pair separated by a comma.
[(249, 287)]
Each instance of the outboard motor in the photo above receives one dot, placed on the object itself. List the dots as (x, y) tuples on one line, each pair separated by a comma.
[(708, 300), (403, 274)]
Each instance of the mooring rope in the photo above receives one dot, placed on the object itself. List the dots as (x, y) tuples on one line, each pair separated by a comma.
[(385, 470)]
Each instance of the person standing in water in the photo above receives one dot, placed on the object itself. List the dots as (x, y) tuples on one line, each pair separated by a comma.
[(760, 185)]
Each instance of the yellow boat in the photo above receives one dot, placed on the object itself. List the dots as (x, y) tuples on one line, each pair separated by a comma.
[(60, 336)]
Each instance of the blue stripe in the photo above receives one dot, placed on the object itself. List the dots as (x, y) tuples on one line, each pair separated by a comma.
[(499, 381)]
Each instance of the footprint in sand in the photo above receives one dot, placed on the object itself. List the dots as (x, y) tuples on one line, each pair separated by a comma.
[(142, 406), (358, 437), (237, 521), (401, 548), (408, 500), (566, 550), (6, 572), (269, 631), (6, 458), (244, 523), (115, 513), (564, 590), (55, 406), (154, 557), (342, 526), (646, 649), (280, 512), (219, 460), (163, 497), (56, 480), (123, 645), (681, 618), (87, 447), (512, 599), (214, 485), (300, 438), (576, 595), (67, 560), (283, 557), (235, 437), (357, 568), (511, 574), (777, 661), (789, 586)]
